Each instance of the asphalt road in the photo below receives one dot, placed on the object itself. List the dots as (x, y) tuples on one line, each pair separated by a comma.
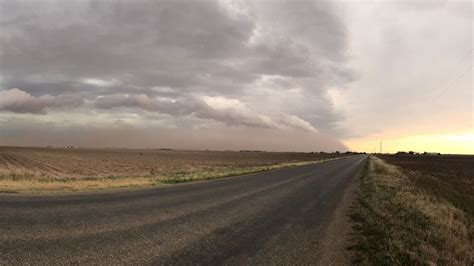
[(275, 217)]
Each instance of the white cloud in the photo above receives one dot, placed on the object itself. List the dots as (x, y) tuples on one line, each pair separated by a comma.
[(296, 122), (18, 101), (101, 82), (222, 103)]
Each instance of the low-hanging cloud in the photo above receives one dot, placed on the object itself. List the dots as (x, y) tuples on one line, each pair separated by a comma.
[(18, 101), (208, 60), (17, 132), (228, 111)]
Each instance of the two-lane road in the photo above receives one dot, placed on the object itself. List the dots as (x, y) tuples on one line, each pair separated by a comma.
[(269, 217)]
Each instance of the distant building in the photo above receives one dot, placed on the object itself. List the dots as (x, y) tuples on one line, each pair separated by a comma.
[(431, 153)]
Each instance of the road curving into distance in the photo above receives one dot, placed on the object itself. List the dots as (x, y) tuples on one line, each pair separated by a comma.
[(276, 217)]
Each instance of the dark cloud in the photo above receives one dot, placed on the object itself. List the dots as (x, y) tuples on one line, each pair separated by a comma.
[(166, 57), (168, 43)]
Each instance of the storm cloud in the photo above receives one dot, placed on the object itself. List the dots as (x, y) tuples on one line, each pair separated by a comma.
[(250, 64)]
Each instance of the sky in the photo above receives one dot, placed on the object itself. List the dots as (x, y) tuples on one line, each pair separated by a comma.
[(232, 74)]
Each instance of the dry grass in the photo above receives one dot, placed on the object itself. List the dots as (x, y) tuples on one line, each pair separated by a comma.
[(35, 185), (450, 177), (399, 222), (46, 170)]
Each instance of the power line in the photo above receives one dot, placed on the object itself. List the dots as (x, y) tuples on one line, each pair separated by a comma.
[(451, 82), (440, 92), (464, 56)]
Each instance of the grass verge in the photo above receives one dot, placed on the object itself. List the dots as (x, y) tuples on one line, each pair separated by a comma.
[(398, 222), (182, 177), (26, 182)]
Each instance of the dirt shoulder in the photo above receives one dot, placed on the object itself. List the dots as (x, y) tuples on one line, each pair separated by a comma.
[(339, 228)]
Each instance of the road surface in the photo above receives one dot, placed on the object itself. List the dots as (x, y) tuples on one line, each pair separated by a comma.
[(275, 217)]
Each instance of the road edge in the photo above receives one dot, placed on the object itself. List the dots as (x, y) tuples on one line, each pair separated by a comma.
[(336, 239)]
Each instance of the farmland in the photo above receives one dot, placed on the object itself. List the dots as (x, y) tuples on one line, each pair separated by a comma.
[(415, 209), (60, 169), (449, 176)]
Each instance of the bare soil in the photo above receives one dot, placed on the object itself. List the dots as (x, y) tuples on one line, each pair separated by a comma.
[(450, 177), (50, 169)]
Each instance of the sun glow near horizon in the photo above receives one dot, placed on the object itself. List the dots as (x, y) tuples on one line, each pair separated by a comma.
[(455, 143)]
